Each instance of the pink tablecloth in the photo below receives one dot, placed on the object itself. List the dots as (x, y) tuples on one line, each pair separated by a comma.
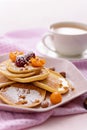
[(27, 41)]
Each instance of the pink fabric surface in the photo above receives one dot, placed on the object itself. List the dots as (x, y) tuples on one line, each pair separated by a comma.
[(21, 40), (27, 41)]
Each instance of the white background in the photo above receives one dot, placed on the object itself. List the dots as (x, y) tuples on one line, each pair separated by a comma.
[(22, 14)]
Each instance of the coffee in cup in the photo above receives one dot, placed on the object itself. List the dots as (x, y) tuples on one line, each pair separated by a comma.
[(67, 38)]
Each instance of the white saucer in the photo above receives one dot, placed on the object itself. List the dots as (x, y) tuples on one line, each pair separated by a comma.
[(46, 52)]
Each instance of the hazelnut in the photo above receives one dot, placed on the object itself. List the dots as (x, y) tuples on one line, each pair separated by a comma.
[(85, 103), (63, 74), (44, 104)]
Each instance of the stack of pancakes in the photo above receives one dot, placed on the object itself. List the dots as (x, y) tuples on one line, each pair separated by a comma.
[(27, 86)]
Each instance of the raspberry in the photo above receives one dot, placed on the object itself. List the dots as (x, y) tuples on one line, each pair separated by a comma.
[(20, 61), (29, 55)]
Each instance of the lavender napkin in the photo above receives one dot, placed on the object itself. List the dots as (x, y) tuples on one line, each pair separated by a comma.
[(19, 121)]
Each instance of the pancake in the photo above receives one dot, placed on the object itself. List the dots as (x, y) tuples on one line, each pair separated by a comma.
[(41, 76), (18, 70), (54, 82), (7, 73), (22, 95), (4, 81)]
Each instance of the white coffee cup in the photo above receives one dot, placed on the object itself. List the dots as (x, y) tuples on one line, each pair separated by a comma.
[(68, 38)]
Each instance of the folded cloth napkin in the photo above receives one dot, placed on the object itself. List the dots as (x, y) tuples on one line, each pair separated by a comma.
[(19, 121)]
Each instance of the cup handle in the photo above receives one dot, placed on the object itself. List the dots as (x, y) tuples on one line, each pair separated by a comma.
[(44, 41)]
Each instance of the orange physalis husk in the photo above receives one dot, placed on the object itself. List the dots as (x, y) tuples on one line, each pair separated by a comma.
[(37, 62), (13, 55)]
